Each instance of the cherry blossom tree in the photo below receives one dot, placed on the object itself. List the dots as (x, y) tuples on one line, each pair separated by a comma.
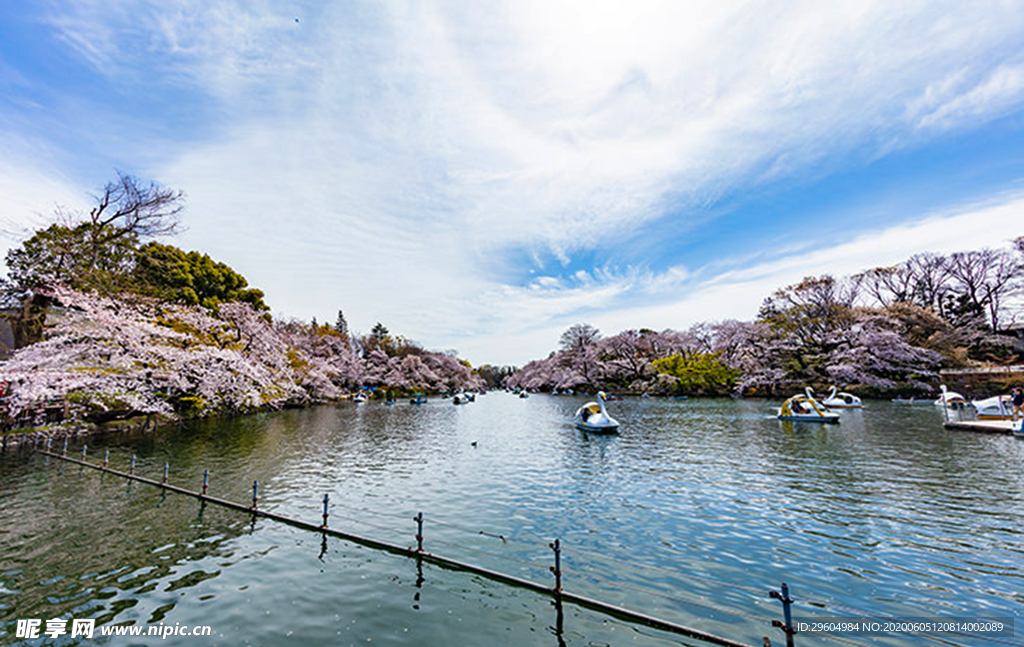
[(118, 358), (758, 351), (578, 336), (874, 353)]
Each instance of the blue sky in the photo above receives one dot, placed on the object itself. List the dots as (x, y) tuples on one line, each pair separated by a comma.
[(480, 176)]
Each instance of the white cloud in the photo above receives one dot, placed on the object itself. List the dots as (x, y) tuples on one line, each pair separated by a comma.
[(384, 159), (957, 101), (32, 188)]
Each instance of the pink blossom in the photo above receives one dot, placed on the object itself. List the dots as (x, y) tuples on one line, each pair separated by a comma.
[(117, 358)]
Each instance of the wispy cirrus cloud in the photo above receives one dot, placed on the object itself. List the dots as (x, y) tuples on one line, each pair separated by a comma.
[(960, 100)]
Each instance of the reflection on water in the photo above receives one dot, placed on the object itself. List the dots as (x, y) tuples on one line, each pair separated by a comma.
[(692, 513)]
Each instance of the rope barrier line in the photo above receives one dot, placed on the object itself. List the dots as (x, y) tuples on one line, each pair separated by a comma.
[(369, 524), (559, 595)]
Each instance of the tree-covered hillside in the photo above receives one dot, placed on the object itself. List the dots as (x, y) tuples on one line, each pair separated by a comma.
[(111, 324)]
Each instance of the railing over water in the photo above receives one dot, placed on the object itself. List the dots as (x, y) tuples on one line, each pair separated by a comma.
[(787, 626)]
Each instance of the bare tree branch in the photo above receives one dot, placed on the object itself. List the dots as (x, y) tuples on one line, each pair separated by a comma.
[(128, 207)]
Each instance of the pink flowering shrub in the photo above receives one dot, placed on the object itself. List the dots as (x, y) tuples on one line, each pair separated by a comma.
[(114, 358)]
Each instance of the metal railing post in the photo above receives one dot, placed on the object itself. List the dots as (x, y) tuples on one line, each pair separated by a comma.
[(556, 570), (787, 614)]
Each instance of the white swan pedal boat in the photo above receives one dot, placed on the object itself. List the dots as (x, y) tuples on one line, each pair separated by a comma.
[(803, 408), (841, 400), (950, 399), (593, 417), (998, 407)]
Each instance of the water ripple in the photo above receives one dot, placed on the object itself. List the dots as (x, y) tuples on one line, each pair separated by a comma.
[(693, 512)]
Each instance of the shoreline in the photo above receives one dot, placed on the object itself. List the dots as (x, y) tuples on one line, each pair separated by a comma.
[(17, 440)]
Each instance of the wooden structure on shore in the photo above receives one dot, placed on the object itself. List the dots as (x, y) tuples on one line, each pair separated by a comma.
[(982, 382), (42, 413)]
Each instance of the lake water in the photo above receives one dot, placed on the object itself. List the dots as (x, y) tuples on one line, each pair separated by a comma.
[(692, 513)]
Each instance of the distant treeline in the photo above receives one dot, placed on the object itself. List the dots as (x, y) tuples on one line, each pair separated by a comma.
[(885, 331)]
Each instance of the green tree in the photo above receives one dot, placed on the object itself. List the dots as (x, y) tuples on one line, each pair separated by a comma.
[(63, 255), (698, 372), (494, 375), (169, 273), (379, 339), (58, 254)]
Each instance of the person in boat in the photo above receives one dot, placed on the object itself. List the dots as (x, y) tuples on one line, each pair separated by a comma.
[(1018, 402)]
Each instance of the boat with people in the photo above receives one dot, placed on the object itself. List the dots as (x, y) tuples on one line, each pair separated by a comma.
[(593, 417), (361, 398), (804, 408), (418, 399), (841, 400), (462, 398), (998, 407), (912, 400)]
